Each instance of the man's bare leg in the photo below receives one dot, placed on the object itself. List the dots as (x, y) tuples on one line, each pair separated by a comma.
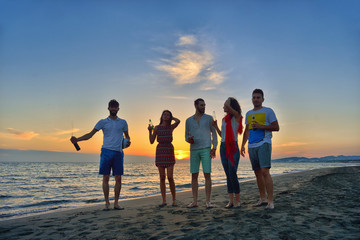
[(194, 187), (117, 190), (105, 186), (269, 187), (261, 187), (208, 189)]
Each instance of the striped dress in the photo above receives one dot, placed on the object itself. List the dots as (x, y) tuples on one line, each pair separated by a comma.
[(165, 150)]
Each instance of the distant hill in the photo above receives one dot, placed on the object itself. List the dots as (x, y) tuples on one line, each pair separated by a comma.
[(340, 158), (10, 155)]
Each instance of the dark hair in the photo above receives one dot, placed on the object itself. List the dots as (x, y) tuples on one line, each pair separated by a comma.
[(113, 103), (235, 105), (196, 102), (171, 116), (259, 91)]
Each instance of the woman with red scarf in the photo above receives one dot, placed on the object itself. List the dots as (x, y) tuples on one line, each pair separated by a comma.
[(229, 150)]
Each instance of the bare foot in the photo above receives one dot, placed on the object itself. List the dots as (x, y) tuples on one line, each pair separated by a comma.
[(229, 205), (117, 207), (270, 206), (260, 203), (209, 205), (163, 204), (107, 207), (192, 205)]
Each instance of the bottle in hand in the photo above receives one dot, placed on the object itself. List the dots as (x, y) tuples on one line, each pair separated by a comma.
[(253, 120), (151, 124), (76, 145), (190, 138)]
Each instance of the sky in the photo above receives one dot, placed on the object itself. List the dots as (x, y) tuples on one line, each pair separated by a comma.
[(62, 61)]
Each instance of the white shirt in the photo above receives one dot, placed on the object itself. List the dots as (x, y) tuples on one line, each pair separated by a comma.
[(113, 131), (201, 131)]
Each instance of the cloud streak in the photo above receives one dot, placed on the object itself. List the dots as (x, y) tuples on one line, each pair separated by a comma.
[(175, 97), (186, 40), (293, 144), (13, 133), (191, 62), (65, 132)]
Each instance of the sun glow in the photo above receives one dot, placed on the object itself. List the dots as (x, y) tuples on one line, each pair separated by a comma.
[(182, 154)]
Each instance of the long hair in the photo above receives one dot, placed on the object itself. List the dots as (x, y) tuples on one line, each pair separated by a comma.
[(235, 105), (171, 116)]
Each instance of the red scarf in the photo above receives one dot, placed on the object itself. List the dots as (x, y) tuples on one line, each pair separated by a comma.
[(230, 144)]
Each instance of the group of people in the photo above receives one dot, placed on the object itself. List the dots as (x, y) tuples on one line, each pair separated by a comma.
[(201, 133)]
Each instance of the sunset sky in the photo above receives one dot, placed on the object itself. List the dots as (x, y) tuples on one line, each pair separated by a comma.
[(62, 61)]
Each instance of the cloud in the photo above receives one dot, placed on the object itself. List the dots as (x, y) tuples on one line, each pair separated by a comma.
[(12, 133), (293, 144), (54, 139), (175, 97), (63, 132), (186, 40), (192, 62)]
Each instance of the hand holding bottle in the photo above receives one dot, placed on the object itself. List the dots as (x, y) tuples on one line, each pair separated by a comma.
[(151, 125), (74, 141), (190, 138)]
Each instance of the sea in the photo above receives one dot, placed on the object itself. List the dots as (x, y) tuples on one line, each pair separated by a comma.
[(30, 188)]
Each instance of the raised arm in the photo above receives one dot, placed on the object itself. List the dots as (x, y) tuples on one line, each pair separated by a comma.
[(214, 124), (152, 134), (232, 111), (174, 125), (84, 137)]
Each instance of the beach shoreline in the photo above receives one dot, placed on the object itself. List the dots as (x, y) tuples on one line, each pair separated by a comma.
[(320, 203)]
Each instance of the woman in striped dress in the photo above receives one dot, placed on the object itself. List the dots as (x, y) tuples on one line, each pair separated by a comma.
[(165, 157)]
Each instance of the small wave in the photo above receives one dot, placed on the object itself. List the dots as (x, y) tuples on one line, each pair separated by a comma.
[(135, 175), (93, 201), (184, 186), (5, 208), (5, 196), (22, 213), (45, 203), (69, 187), (139, 188)]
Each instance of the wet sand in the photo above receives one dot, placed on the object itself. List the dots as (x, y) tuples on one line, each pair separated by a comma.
[(317, 204)]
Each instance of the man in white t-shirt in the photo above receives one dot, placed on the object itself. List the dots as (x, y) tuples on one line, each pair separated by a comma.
[(112, 155), (260, 123)]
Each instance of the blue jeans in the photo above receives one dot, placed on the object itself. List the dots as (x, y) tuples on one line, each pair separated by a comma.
[(233, 185)]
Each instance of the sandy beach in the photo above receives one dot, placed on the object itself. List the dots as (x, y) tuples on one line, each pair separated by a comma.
[(317, 204)]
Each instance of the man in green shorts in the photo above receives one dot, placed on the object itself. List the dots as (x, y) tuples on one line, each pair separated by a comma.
[(200, 133), (260, 123)]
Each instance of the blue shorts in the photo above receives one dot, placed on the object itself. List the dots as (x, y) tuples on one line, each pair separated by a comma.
[(203, 156), (260, 157), (110, 159)]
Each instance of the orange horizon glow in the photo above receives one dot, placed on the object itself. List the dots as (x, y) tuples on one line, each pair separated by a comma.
[(283, 145)]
